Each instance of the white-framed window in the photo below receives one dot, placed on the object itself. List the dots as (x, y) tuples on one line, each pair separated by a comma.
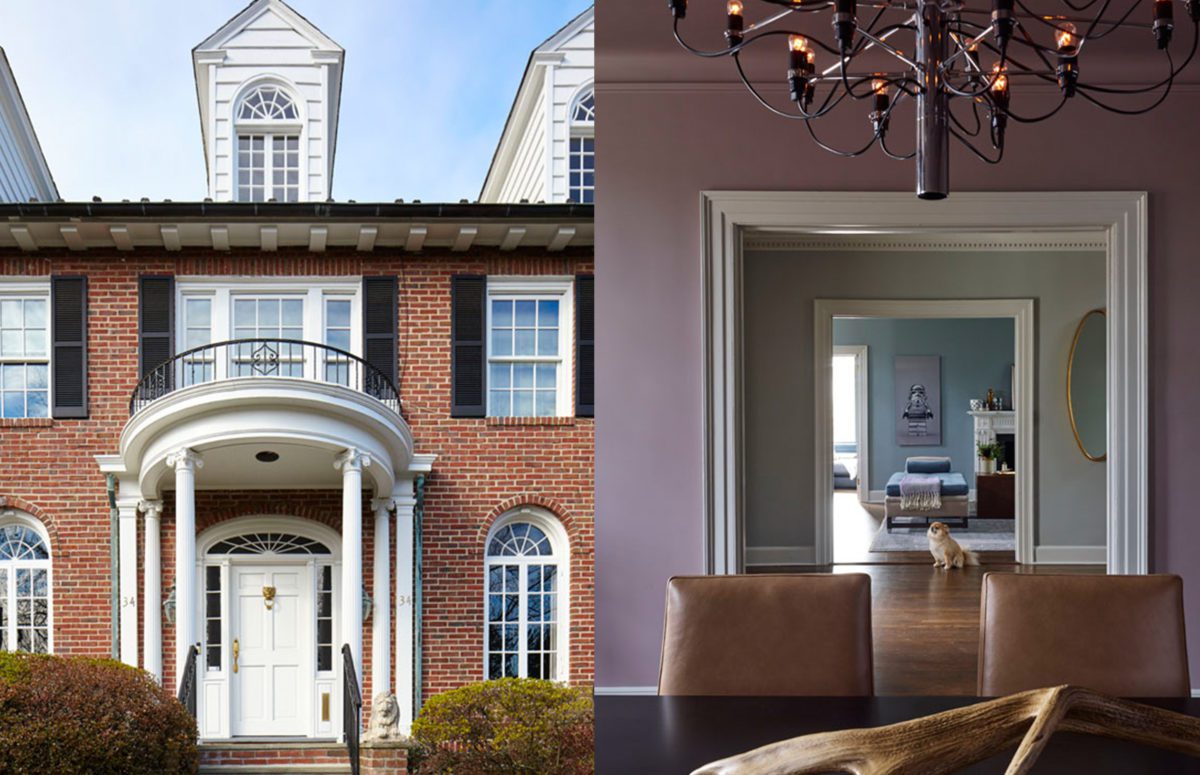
[(268, 146), (526, 597), (529, 338), (24, 351), (277, 312), (25, 584), (581, 151)]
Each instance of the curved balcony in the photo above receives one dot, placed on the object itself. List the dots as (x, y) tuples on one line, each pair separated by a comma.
[(264, 358)]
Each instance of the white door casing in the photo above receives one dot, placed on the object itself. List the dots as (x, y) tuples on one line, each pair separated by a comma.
[(275, 640), (968, 220)]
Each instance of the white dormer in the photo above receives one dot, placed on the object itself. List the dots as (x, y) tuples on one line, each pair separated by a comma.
[(269, 87), (548, 150)]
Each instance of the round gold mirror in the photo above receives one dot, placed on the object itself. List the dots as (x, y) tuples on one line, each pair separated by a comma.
[(1087, 399)]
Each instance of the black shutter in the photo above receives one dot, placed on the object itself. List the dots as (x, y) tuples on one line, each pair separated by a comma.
[(585, 345), (68, 301), (380, 346), (468, 384), (156, 321)]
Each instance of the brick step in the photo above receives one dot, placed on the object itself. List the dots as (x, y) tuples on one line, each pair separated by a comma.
[(272, 757)]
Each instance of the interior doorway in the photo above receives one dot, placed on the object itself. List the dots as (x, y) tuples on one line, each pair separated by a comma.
[(933, 392)]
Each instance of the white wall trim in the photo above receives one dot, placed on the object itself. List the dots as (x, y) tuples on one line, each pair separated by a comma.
[(727, 216), (625, 691), (1020, 311), (780, 555), (1070, 555), (862, 413)]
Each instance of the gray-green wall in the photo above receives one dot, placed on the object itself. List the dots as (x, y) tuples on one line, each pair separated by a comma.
[(976, 354), (779, 290)]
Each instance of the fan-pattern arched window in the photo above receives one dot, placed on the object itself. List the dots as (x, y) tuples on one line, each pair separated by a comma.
[(267, 103), (268, 543), (24, 588), (268, 158), (523, 637), (581, 156), (585, 108)]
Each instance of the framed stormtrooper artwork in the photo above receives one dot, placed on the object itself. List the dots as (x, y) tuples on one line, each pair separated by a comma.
[(918, 380)]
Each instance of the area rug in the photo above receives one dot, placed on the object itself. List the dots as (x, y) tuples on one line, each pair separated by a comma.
[(981, 535)]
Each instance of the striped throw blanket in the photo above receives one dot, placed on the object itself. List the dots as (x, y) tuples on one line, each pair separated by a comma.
[(920, 492)]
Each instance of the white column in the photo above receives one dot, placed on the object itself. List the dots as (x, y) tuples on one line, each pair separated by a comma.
[(127, 583), (152, 591), (405, 502), (351, 463), (381, 616), (185, 462)]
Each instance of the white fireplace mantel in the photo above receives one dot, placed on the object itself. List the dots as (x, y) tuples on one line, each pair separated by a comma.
[(988, 425)]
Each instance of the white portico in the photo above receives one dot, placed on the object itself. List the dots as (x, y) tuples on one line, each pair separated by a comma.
[(269, 598)]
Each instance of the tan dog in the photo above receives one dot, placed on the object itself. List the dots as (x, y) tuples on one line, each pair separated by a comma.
[(947, 553)]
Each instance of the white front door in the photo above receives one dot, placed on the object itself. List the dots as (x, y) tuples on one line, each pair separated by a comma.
[(272, 640)]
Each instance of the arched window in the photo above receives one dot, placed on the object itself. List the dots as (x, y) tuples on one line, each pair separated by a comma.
[(585, 107), (525, 598), (581, 158), (24, 584), (267, 103), (268, 146)]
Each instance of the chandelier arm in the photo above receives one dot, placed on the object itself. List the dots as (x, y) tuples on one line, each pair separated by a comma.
[(990, 80), (897, 53), (836, 152), (976, 151), (974, 112), (1118, 24), (1027, 40), (801, 115), (1136, 111), (963, 50), (1145, 89), (875, 137), (1035, 119)]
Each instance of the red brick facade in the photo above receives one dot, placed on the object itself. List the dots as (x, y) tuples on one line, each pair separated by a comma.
[(483, 467)]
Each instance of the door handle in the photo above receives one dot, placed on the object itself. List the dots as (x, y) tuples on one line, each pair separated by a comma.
[(236, 650)]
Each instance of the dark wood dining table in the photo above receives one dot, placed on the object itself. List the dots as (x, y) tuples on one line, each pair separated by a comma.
[(637, 735)]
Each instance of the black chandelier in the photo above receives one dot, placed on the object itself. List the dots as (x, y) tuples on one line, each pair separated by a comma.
[(959, 51)]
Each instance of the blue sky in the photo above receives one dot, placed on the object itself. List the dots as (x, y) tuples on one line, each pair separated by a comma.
[(428, 85)]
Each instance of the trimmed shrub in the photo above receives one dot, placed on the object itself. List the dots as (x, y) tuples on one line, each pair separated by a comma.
[(506, 727), (79, 716)]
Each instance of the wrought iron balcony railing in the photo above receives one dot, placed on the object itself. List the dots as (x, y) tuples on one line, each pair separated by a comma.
[(248, 358)]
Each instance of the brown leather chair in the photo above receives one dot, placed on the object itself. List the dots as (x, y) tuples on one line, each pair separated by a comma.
[(1120, 635), (805, 634)]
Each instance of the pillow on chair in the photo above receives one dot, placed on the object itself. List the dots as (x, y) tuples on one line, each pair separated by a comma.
[(927, 465)]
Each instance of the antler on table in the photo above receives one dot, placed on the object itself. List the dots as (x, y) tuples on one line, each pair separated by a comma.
[(948, 741)]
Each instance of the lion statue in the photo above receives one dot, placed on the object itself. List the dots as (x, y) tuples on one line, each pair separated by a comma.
[(385, 719)]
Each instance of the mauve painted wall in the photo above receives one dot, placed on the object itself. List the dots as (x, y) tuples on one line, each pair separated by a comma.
[(671, 127)]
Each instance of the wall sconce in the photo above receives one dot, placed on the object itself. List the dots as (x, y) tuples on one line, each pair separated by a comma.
[(169, 607), (367, 604)]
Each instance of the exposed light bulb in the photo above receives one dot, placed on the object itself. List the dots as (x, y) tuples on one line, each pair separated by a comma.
[(797, 43), (1066, 37), (879, 86), (1000, 83), (733, 32)]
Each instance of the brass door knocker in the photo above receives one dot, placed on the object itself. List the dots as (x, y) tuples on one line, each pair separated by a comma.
[(269, 597)]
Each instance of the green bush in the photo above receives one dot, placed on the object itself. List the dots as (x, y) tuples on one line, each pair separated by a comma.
[(505, 727), (78, 716)]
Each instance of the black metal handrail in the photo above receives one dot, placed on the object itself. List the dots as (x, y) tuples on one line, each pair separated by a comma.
[(351, 707), (241, 358), (188, 687)]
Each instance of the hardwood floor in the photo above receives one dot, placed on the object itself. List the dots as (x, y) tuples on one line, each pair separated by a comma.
[(926, 622), (855, 525)]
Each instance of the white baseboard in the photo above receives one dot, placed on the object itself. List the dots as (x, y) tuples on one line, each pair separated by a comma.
[(1070, 555), (780, 555), (1196, 694), (625, 691)]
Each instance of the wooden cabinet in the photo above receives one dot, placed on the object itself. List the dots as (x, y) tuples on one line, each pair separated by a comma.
[(996, 496)]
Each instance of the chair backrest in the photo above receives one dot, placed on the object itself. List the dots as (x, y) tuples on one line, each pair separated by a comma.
[(757, 635), (1120, 635)]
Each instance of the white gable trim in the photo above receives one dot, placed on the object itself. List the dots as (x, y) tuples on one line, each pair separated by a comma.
[(255, 11)]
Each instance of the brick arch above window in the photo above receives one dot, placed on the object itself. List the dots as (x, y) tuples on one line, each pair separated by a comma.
[(13, 503), (555, 508)]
